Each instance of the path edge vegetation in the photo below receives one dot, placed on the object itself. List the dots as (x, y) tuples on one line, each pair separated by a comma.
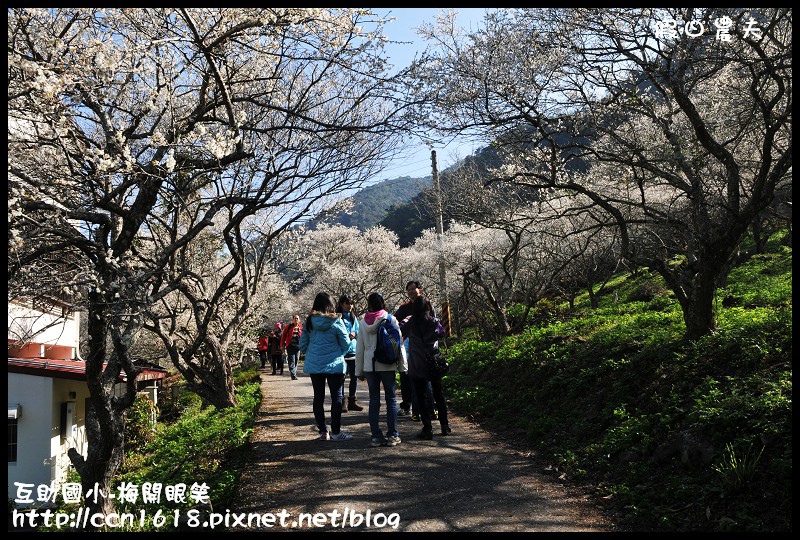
[(666, 434)]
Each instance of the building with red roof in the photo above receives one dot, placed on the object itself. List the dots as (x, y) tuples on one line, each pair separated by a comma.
[(48, 398)]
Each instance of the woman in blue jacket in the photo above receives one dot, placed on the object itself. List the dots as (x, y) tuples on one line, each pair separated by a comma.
[(324, 341), (345, 307)]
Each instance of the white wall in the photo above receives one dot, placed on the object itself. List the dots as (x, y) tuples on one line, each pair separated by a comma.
[(58, 445), (35, 425), (41, 451)]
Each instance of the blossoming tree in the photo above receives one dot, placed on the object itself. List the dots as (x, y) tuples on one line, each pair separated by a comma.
[(141, 138), (673, 123)]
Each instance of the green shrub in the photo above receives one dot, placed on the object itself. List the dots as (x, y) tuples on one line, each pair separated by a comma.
[(140, 423), (737, 470), (202, 446), (647, 291)]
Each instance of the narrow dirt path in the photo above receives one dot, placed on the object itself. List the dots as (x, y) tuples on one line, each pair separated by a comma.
[(463, 482)]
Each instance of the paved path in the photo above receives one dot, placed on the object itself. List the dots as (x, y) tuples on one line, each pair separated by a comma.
[(463, 482)]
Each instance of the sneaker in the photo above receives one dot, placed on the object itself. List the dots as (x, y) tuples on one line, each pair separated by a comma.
[(435, 415), (294, 377), (425, 435), (446, 430), (325, 436), (402, 412), (377, 441), (393, 440), (415, 417), (341, 436)]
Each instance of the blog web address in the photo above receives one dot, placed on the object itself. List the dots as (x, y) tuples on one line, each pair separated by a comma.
[(195, 518)]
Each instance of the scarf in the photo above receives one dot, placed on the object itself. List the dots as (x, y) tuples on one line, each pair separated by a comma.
[(371, 316)]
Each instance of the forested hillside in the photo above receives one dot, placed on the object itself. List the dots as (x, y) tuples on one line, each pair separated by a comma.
[(371, 204), (401, 204), (408, 220)]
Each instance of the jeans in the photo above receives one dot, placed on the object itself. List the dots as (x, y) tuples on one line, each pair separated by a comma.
[(351, 372), (335, 382), (293, 355), (426, 407), (374, 381)]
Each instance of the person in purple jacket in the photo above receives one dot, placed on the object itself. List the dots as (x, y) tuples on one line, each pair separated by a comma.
[(423, 341)]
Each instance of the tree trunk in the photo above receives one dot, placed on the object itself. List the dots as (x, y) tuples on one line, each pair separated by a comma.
[(593, 300), (695, 293), (104, 424), (98, 470), (209, 374), (698, 311)]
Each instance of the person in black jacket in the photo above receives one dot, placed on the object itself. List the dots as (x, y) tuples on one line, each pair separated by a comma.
[(274, 346), (423, 341), (410, 403)]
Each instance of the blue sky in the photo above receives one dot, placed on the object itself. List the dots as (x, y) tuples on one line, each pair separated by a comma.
[(418, 161)]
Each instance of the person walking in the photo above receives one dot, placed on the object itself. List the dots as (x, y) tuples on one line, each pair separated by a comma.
[(411, 403), (423, 341), (324, 341), (263, 347), (274, 348), (378, 374), (345, 307), (290, 344)]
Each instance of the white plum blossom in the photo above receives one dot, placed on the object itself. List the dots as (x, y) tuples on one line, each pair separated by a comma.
[(169, 163)]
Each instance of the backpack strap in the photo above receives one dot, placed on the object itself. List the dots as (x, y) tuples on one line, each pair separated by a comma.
[(397, 359)]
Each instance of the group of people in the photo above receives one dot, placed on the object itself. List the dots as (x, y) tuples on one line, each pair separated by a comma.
[(337, 343), (281, 345)]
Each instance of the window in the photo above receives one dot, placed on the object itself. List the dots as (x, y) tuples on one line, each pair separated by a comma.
[(12, 440), (119, 389)]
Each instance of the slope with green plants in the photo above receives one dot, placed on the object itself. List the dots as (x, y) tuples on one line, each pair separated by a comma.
[(672, 435)]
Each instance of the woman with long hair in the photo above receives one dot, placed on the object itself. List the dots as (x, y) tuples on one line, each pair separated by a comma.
[(377, 373), (324, 342), (423, 341)]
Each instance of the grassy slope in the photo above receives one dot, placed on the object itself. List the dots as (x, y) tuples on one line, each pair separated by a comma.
[(676, 436)]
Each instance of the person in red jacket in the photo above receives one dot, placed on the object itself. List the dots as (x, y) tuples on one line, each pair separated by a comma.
[(263, 345), (290, 344)]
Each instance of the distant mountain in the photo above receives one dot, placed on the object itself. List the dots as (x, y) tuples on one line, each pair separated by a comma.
[(372, 203), (398, 204), (410, 218)]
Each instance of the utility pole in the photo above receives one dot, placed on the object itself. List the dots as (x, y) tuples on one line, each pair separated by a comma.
[(439, 234)]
